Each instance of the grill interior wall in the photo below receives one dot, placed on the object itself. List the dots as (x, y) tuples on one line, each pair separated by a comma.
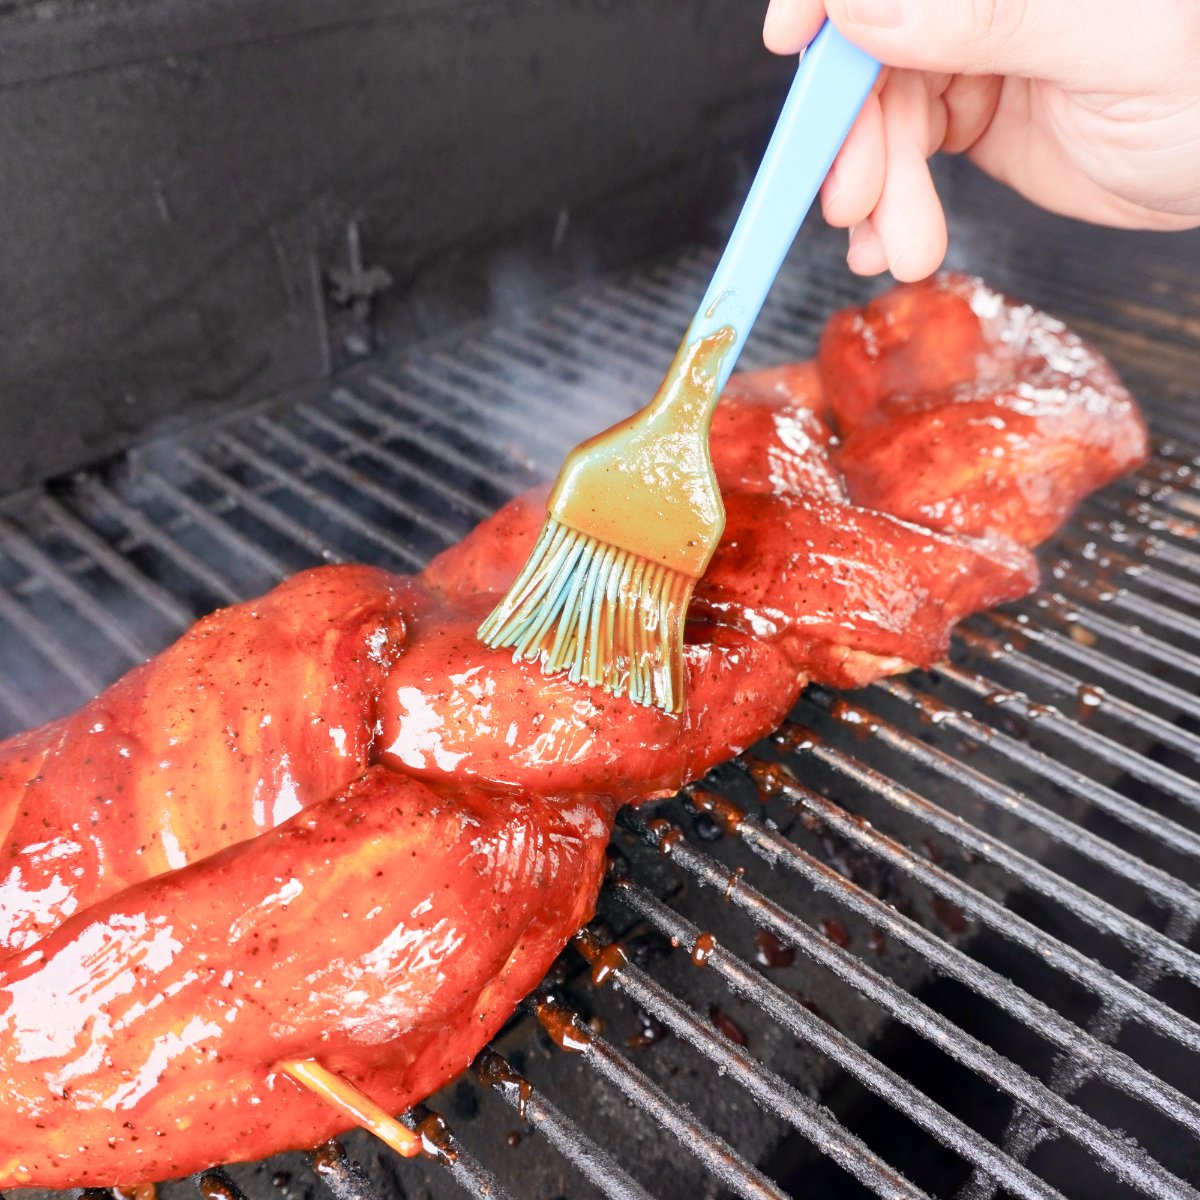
[(979, 883)]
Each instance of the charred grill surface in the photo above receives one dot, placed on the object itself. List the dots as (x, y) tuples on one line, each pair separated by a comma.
[(938, 937)]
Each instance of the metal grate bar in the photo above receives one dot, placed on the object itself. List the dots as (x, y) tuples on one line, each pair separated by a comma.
[(518, 385), (617, 384), (1057, 611), (1172, 892), (1181, 502), (218, 529), (1134, 816), (1181, 477), (1130, 1163), (515, 386), (559, 332), (1103, 917), (813, 1120), (1040, 672), (117, 566), (1024, 1132), (1134, 497), (1130, 676), (42, 566), (811, 1029), (266, 512), (1137, 522), (777, 850), (514, 425), (147, 532), (654, 341), (360, 447), (333, 509), (1147, 770), (1141, 608), (1139, 574), (344, 1178), (646, 348), (460, 1164), (1134, 521), (365, 487), (1116, 532), (20, 707), (502, 484), (953, 963), (725, 1163), (595, 1164), (46, 641)]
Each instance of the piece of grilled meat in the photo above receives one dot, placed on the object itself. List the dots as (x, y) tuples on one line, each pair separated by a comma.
[(329, 823)]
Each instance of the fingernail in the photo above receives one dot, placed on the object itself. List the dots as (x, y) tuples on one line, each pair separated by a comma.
[(861, 237), (885, 14)]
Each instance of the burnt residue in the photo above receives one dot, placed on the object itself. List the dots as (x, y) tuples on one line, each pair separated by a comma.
[(564, 1028), (666, 835), (436, 1140), (953, 919), (871, 874), (727, 1025), (495, 1071), (718, 809), (650, 1031), (215, 1184), (835, 930), (769, 951), (770, 778)]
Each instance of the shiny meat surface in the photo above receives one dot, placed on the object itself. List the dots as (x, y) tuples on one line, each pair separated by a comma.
[(331, 824), (455, 710), (257, 711), (388, 929), (771, 433), (1000, 424)]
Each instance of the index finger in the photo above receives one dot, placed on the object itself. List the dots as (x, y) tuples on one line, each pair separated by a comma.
[(791, 24)]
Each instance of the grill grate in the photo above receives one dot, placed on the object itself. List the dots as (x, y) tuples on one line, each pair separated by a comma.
[(937, 938)]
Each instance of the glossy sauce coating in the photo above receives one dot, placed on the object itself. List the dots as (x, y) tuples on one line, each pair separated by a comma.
[(330, 824), (1004, 422), (388, 931), (256, 712)]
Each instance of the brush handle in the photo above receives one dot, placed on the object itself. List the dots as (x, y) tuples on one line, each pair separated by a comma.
[(831, 85)]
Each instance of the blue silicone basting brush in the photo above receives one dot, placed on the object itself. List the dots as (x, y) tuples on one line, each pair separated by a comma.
[(636, 515)]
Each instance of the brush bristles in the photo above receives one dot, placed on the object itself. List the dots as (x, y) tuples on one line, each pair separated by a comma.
[(604, 615)]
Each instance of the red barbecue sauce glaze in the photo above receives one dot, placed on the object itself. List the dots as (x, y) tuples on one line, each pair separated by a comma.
[(329, 823)]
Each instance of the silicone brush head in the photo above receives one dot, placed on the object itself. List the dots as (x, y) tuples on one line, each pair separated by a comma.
[(632, 523)]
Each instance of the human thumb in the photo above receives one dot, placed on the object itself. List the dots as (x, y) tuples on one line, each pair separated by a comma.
[(1074, 43)]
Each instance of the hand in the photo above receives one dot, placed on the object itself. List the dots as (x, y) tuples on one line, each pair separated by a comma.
[(1090, 108)]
